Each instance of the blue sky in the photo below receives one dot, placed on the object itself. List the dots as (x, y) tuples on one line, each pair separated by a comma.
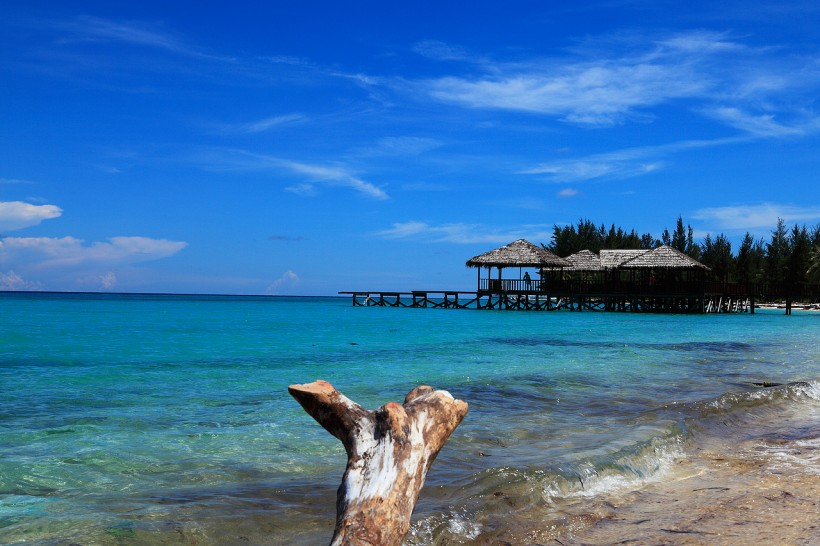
[(276, 148)]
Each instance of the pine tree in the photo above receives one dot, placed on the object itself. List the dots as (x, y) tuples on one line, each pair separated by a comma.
[(797, 263), (777, 254), (679, 236)]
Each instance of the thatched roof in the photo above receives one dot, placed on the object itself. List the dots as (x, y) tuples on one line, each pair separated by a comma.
[(585, 260), (663, 257), (519, 253), (611, 259)]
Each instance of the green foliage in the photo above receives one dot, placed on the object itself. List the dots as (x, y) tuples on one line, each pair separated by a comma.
[(813, 273), (777, 253), (717, 255)]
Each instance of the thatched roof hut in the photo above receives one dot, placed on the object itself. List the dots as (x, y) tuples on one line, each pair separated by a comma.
[(585, 260), (663, 257), (612, 259), (520, 253)]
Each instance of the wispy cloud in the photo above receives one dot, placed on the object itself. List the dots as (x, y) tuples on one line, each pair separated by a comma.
[(593, 95), (16, 215), (609, 80), (97, 29), (761, 125), (620, 164), (14, 181), (262, 125), (462, 233), (588, 88), (313, 175), (334, 176), (51, 252), (762, 216)]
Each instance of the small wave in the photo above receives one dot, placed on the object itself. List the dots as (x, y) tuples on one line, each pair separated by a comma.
[(498, 497), (786, 412), (451, 527), (773, 397), (625, 469)]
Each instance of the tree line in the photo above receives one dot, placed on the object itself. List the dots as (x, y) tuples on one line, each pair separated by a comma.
[(790, 255)]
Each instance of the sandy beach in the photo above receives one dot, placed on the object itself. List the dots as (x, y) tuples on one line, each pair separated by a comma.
[(759, 490), (765, 492)]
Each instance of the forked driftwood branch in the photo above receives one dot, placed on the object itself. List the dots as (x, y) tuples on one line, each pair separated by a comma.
[(388, 454)]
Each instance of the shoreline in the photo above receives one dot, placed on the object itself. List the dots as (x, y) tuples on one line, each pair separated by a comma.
[(766, 490), (752, 479)]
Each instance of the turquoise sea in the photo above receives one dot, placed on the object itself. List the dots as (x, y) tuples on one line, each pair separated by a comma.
[(141, 419)]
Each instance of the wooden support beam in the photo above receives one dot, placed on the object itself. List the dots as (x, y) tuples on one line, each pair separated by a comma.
[(389, 452)]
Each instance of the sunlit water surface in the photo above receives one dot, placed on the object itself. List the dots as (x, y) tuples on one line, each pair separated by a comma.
[(166, 420)]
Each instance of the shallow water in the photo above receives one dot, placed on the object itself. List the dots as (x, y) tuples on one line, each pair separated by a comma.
[(165, 420)]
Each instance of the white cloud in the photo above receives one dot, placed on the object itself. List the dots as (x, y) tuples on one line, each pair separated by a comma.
[(335, 176), (262, 125), (338, 174), (463, 233), (594, 167), (11, 281), (758, 217), (567, 192), (108, 280), (288, 280), (762, 125), (49, 252), (593, 87), (18, 215), (620, 164), (610, 79)]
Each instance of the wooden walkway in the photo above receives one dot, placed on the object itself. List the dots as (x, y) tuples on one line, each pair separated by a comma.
[(524, 301), (597, 295)]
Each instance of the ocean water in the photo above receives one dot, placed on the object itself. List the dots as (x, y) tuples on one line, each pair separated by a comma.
[(129, 419)]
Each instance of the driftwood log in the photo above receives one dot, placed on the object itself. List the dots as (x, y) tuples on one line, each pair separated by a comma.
[(389, 451)]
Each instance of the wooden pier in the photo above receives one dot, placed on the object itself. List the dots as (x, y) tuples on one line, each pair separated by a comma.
[(592, 296), (582, 298)]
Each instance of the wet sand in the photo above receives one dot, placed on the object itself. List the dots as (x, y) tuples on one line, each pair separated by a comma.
[(765, 491)]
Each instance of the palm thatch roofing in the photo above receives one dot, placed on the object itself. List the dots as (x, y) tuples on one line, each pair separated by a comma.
[(612, 259), (520, 253), (585, 260), (663, 257)]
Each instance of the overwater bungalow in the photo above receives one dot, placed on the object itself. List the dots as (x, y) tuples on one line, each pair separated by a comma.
[(660, 270), (518, 255), (660, 279)]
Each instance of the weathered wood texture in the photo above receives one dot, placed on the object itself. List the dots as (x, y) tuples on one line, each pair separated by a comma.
[(389, 451)]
